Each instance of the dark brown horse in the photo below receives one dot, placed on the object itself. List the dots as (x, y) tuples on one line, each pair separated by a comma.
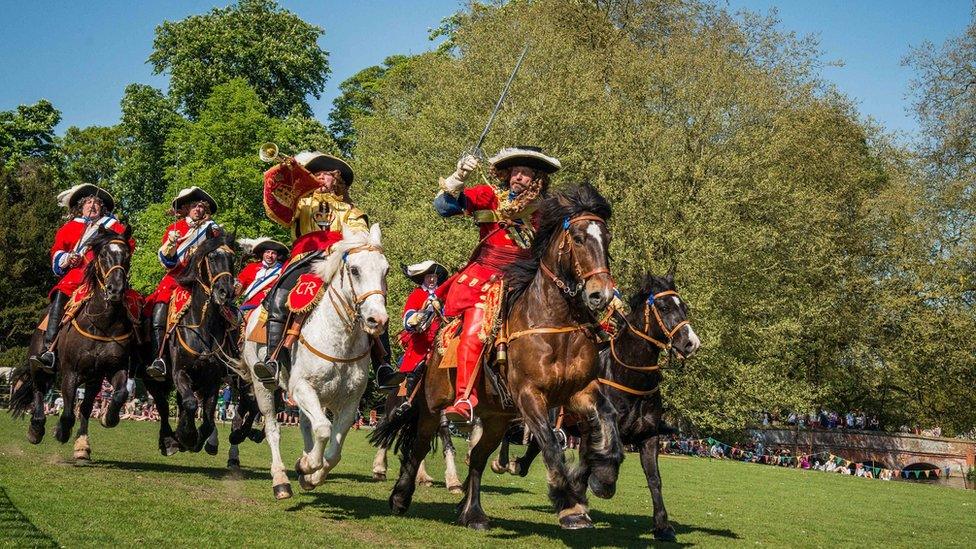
[(551, 301), (630, 382), (199, 347), (95, 344)]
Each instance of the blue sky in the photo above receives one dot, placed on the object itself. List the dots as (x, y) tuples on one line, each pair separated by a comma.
[(81, 54)]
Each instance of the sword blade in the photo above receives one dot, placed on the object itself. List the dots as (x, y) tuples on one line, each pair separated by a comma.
[(501, 98)]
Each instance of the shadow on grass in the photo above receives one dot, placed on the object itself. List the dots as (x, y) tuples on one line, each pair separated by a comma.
[(612, 529), (217, 473), (502, 490), (17, 528)]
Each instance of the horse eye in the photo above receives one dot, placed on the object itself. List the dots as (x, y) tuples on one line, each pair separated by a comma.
[(577, 238), (354, 271)]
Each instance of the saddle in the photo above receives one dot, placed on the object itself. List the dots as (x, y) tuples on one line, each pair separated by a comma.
[(306, 294), (133, 307), (179, 303)]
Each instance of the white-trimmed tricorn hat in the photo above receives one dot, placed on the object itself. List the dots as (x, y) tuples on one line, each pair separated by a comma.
[(315, 161), (418, 271), (524, 155), (257, 246), (194, 194), (70, 198)]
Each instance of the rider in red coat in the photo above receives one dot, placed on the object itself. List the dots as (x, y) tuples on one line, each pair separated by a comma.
[(257, 277), (91, 208), (421, 314), (505, 210), (194, 208)]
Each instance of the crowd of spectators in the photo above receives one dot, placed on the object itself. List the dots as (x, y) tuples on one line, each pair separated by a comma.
[(824, 419)]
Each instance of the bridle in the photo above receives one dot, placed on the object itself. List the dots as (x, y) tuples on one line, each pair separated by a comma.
[(211, 279), (650, 306), (351, 312), (103, 274), (567, 246)]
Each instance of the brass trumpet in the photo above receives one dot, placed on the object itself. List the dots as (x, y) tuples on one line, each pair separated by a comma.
[(268, 152)]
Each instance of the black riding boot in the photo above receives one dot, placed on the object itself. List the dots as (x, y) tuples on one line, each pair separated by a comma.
[(267, 370), (157, 370), (47, 361), (386, 376)]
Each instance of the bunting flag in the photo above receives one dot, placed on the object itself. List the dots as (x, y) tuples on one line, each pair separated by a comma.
[(874, 472)]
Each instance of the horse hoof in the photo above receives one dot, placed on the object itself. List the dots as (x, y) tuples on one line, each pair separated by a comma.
[(426, 483), (210, 449), (301, 470), (602, 490), (82, 458), (455, 489), (35, 436), (497, 468), (236, 437), (479, 525), (305, 484), (233, 463), (282, 491), (665, 534), (379, 476), (575, 521), (256, 436), (399, 505)]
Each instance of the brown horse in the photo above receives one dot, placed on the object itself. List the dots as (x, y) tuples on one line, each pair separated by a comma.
[(551, 301), (199, 347), (95, 345), (631, 382)]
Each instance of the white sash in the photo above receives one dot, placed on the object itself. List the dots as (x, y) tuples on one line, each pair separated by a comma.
[(261, 282), (192, 238)]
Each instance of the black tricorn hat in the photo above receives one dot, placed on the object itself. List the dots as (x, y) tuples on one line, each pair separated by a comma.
[(418, 271)]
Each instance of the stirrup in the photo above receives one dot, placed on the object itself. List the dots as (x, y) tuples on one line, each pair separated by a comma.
[(266, 373), (470, 419), (387, 378), (157, 370), (44, 362)]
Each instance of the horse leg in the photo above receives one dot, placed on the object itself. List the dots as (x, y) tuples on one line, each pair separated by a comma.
[(186, 427), (601, 451), (663, 531), (264, 400), (379, 464), (320, 428), (82, 450), (470, 513), (120, 394), (451, 479), (41, 382), (344, 419), (520, 466), (571, 510), (473, 438), (423, 429), (69, 388), (208, 426), (168, 445), (423, 477)]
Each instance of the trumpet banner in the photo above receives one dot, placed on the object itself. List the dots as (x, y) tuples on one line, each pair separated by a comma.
[(284, 185)]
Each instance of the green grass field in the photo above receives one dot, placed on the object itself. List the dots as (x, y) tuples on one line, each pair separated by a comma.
[(130, 495)]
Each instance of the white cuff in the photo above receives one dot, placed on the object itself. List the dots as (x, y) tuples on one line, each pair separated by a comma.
[(453, 185)]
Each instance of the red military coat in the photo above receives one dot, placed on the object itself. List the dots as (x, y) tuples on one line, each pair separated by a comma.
[(257, 280), (71, 238), (189, 239), (416, 345), (497, 249)]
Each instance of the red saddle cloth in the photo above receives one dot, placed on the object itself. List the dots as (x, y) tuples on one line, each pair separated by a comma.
[(306, 293)]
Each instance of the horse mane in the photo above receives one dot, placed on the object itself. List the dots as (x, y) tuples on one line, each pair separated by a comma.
[(327, 267), (555, 208), (98, 240), (189, 274)]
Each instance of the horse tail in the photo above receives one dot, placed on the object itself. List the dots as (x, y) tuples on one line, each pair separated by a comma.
[(398, 430), (22, 398)]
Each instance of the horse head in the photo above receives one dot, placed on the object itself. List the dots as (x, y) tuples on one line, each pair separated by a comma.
[(109, 271), (573, 244), (211, 267), (357, 269), (659, 311)]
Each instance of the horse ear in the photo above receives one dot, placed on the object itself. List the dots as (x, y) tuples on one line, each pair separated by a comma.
[(127, 233), (671, 272), (375, 235)]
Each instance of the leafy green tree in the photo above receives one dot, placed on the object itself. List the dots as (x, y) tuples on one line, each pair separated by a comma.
[(148, 117), (28, 132), (272, 48), (218, 152), (718, 146), (91, 155), (29, 215), (356, 99)]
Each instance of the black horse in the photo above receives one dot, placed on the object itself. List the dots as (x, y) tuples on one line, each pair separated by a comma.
[(630, 382), (199, 347), (97, 343)]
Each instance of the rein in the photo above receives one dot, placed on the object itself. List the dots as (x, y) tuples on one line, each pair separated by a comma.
[(650, 305), (101, 276), (566, 246), (208, 291)]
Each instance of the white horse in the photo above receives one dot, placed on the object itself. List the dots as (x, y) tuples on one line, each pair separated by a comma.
[(331, 358)]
